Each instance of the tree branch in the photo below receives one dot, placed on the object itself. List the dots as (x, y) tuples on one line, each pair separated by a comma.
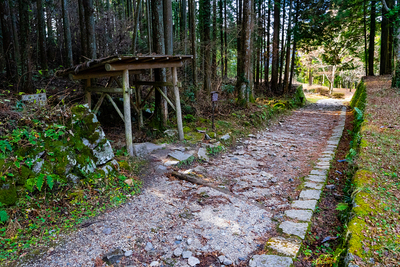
[(385, 6)]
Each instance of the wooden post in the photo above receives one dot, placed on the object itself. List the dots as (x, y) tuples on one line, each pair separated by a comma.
[(88, 94), (177, 103), (138, 101), (127, 111)]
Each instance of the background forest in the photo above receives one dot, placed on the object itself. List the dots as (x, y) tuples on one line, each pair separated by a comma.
[(250, 48)]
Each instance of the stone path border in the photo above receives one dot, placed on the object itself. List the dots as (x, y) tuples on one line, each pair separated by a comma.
[(286, 247)]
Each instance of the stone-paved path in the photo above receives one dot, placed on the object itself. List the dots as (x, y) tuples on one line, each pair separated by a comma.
[(176, 223)]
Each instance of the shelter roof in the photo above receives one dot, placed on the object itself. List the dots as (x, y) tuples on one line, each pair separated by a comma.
[(114, 65)]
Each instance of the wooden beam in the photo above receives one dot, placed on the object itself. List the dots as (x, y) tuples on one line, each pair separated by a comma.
[(97, 106), (147, 97), (154, 83), (110, 90), (166, 98), (127, 112), (116, 107), (142, 66), (177, 103), (138, 101), (134, 106), (99, 74)]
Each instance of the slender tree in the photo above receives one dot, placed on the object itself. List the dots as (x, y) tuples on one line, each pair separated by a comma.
[(371, 50), (289, 39), (7, 40), (51, 42), (283, 44), (243, 84), (214, 42), (192, 11), (90, 28), (67, 33), (205, 20), (268, 55), (24, 22), (275, 48), (41, 35), (168, 27)]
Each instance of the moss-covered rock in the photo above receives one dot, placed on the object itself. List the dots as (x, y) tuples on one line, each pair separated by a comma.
[(8, 193)]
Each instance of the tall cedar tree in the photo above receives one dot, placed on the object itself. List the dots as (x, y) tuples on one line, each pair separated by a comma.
[(275, 48)]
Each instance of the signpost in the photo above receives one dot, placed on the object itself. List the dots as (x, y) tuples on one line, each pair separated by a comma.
[(214, 98)]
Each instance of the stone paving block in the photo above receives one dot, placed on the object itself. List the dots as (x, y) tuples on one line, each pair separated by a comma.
[(322, 167), (284, 246), (304, 204), (270, 261), (318, 172), (316, 178), (329, 152), (310, 194), (313, 185), (301, 215), (333, 143), (292, 228)]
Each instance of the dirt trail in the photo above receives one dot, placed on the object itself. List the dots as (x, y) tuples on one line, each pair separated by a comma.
[(171, 216)]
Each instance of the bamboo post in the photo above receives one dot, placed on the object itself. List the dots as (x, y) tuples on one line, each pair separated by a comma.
[(127, 111), (88, 94), (177, 103)]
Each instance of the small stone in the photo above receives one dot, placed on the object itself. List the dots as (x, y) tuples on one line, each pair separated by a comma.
[(179, 238), (310, 194), (171, 132), (186, 254), (202, 154), (330, 186), (178, 252), (189, 241), (149, 246), (227, 261), (107, 231), (225, 137), (284, 246), (128, 253), (129, 182), (193, 261), (252, 136), (154, 263), (221, 259), (270, 261), (301, 215), (291, 228)]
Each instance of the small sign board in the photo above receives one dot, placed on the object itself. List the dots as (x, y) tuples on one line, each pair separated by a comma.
[(38, 99), (214, 96)]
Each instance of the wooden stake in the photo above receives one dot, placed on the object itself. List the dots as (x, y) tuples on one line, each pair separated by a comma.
[(88, 94), (138, 101), (127, 111), (177, 103)]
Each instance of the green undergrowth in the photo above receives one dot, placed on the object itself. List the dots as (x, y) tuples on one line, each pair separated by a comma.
[(236, 121), (38, 205), (373, 231)]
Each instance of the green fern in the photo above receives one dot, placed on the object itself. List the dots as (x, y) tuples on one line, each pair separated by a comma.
[(3, 216), (40, 182), (342, 206), (50, 181)]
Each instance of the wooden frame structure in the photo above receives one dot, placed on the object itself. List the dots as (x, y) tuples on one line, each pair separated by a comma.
[(124, 66)]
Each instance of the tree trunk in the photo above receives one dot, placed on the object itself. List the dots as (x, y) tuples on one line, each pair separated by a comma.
[(333, 79), (289, 38), (244, 77), (67, 34), (371, 50), (282, 46), (24, 21), (50, 33), (205, 18), (159, 48), (41, 35), (310, 77), (268, 47), (168, 27), (226, 41), (192, 11), (294, 44), (90, 28), (149, 34), (275, 48), (259, 43), (82, 27), (365, 38), (184, 26), (7, 34), (221, 31), (136, 27), (214, 43)]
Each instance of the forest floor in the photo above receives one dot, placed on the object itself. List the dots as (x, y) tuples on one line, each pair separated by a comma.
[(177, 223)]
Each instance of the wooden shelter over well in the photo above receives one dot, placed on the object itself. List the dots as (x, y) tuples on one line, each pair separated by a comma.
[(116, 66)]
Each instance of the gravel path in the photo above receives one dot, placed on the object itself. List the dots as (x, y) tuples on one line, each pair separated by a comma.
[(176, 223)]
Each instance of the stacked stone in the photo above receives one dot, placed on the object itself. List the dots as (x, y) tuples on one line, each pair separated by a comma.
[(294, 229)]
